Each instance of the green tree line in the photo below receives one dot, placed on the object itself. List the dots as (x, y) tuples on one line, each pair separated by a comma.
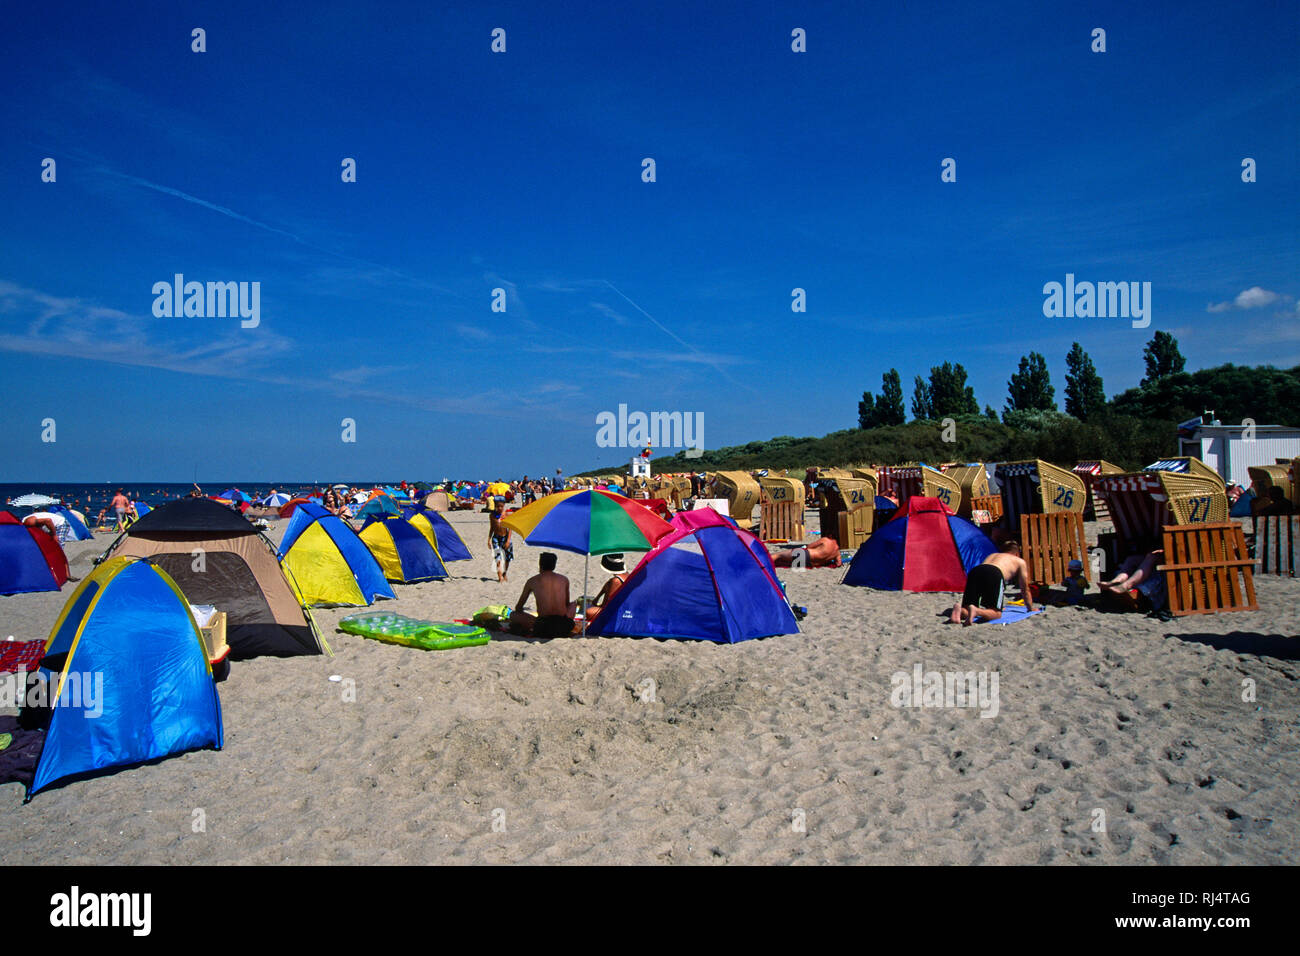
[(1131, 429)]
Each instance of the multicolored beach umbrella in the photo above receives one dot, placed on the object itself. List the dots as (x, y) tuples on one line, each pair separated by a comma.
[(588, 522)]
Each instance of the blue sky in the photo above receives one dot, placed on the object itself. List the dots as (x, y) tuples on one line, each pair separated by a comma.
[(522, 171)]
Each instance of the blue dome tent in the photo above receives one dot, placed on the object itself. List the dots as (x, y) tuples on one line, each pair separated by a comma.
[(152, 693), (708, 581)]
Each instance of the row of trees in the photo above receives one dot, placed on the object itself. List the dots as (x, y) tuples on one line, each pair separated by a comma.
[(945, 393)]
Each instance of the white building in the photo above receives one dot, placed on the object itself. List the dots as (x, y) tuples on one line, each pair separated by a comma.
[(1231, 449)]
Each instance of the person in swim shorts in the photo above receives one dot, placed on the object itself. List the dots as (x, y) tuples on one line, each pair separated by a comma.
[(550, 590), (986, 586), (503, 552), (120, 504)]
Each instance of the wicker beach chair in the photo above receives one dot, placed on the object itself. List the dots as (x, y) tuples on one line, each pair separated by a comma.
[(902, 482), (1264, 477), (973, 480), (1037, 487), (741, 492), (781, 509), (1142, 503), (1090, 470), (846, 509)]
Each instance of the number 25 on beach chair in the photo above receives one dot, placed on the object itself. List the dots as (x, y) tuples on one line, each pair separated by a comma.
[(902, 482), (973, 480)]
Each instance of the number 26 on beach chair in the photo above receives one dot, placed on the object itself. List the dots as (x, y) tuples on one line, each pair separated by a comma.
[(1038, 487)]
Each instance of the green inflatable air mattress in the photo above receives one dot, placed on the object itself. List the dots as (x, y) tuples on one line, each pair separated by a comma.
[(412, 632)]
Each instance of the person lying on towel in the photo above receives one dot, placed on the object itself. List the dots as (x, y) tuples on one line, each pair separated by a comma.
[(986, 586), (554, 616), (822, 553)]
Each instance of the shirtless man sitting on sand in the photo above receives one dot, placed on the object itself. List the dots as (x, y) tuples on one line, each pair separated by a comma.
[(822, 553), (554, 612), (986, 586)]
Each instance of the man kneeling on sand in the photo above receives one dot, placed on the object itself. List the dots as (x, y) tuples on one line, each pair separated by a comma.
[(986, 586), (554, 612)]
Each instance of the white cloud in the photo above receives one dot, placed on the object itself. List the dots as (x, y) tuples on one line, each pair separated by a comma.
[(1253, 298), (609, 313), (72, 328)]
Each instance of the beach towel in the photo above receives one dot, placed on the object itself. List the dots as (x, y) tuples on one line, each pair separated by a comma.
[(1012, 612), (18, 657)]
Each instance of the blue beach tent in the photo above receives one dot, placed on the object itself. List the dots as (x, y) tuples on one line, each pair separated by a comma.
[(128, 672), (377, 506), (707, 582), (404, 554), (78, 529), (451, 546), (326, 563), (30, 559)]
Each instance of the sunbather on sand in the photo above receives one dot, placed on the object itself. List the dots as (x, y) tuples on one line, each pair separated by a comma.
[(554, 616), (822, 553), (986, 586), (1135, 569)]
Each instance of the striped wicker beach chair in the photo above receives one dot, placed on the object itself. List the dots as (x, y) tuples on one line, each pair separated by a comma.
[(1089, 471), (1142, 503), (902, 482), (1037, 487)]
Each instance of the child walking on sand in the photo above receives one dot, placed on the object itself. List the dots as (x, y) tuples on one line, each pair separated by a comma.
[(503, 551)]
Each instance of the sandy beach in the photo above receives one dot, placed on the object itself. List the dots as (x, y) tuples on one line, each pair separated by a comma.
[(784, 750)]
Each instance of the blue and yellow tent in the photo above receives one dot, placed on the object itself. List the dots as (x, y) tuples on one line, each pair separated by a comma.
[(128, 674), (326, 563), (404, 554), (448, 542)]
